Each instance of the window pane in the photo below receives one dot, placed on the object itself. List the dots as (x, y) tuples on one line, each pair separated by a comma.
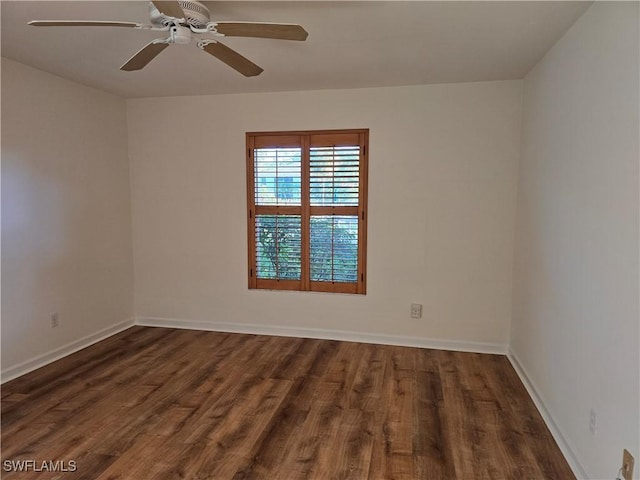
[(277, 176), (278, 247), (334, 249), (334, 175)]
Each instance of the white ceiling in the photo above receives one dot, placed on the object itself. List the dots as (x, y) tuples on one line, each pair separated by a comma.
[(350, 44)]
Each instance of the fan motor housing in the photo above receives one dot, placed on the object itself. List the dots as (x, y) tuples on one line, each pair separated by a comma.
[(196, 14)]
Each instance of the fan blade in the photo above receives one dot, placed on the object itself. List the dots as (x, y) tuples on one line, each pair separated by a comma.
[(280, 31), (170, 9), (144, 56), (233, 59), (80, 23)]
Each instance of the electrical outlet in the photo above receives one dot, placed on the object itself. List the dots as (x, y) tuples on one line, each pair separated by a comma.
[(54, 320), (416, 310), (627, 465), (592, 421)]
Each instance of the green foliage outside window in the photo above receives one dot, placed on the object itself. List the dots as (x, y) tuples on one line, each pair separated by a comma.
[(334, 248)]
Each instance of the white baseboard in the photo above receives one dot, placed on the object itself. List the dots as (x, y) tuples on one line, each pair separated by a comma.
[(324, 334), (560, 439), (46, 358)]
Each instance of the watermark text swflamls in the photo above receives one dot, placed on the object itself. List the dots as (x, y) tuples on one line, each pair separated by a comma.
[(30, 465)]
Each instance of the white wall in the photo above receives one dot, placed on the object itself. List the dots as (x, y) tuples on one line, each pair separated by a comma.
[(575, 322), (443, 175), (66, 219)]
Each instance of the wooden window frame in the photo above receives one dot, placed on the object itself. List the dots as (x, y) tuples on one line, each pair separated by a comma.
[(305, 210)]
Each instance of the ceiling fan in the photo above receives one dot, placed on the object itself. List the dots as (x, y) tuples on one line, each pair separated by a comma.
[(184, 18)]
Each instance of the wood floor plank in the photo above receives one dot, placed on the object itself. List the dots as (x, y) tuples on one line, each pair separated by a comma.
[(239, 428), (302, 458), (164, 404), (347, 455), (432, 441)]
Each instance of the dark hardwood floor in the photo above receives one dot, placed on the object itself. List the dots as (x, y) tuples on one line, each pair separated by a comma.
[(156, 403)]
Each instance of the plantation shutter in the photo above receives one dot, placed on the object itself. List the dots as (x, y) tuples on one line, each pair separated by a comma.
[(334, 190), (306, 199), (277, 212)]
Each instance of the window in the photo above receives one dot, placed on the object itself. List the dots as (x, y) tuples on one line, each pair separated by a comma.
[(307, 198)]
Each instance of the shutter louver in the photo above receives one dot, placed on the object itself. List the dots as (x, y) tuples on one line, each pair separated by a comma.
[(334, 181), (277, 176), (334, 175), (334, 249), (278, 247)]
